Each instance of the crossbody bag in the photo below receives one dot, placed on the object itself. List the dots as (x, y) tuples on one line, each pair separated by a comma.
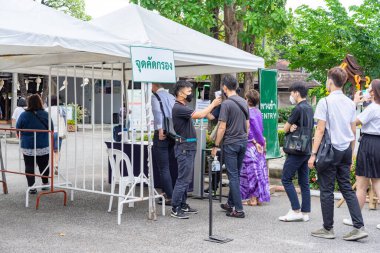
[(325, 154)]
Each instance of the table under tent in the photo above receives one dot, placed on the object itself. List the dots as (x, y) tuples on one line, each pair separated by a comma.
[(81, 168)]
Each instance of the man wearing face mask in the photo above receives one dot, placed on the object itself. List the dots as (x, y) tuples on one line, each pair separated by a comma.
[(186, 145), (297, 163)]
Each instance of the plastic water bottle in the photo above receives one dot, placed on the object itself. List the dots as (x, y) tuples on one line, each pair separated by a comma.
[(215, 166)]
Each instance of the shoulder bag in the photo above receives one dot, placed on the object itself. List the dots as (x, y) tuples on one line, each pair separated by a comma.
[(325, 154), (167, 122), (299, 141), (215, 130)]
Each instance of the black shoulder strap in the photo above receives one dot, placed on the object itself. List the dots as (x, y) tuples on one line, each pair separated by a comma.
[(160, 101), (39, 118), (242, 108)]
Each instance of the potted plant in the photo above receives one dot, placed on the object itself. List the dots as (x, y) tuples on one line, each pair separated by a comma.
[(79, 113), (71, 125)]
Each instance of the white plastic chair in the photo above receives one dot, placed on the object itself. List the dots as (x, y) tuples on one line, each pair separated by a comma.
[(117, 159)]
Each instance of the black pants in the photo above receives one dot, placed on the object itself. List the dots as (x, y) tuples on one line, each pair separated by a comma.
[(341, 171), (163, 153), (42, 162)]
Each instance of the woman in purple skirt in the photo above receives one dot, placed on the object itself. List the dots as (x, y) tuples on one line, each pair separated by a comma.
[(254, 183)]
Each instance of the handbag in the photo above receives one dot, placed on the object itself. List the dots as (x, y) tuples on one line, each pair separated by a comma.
[(325, 154), (167, 121), (299, 141)]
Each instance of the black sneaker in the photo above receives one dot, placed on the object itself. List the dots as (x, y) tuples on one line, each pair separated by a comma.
[(226, 207), (187, 209), (236, 214), (178, 213), (33, 191)]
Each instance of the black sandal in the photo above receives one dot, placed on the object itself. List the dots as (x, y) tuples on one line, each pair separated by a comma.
[(236, 214)]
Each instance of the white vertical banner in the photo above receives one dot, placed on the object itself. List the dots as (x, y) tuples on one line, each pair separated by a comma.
[(152, 65)]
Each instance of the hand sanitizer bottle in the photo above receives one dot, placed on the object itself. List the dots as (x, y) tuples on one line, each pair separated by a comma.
[(215, 166)]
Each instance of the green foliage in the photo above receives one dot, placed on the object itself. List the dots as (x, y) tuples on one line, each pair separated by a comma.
[(318, 92), (79, 112), (284, 113), (281, 137), (319, 39), (75, 8), (71, 122)]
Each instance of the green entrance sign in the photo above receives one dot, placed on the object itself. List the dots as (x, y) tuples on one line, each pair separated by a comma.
[(269, 109)]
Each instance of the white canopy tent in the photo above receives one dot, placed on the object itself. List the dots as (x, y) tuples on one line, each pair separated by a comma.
[(195, 53), (32, 34)]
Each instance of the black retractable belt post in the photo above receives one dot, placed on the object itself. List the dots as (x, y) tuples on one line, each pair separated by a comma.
[(211, 236)]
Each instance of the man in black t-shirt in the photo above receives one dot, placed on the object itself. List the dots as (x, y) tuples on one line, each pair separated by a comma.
[(233, 130), (186, 145), (298, 163)]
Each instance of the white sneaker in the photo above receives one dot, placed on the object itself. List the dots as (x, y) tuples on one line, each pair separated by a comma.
[(306, 217), (347, 222), (378, 226), (292, 216)]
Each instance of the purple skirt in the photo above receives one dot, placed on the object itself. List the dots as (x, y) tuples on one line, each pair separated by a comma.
[(254, 176)]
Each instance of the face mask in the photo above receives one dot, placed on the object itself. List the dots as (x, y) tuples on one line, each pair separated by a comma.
[(292, 100), (189, 98)]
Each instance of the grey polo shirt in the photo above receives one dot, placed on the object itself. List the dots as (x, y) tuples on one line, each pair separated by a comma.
[(168, 101), (342, 111)]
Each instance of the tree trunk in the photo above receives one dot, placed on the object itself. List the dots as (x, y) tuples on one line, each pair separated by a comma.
[(248, 76), (45, 88), (23, 91), (231, 25)]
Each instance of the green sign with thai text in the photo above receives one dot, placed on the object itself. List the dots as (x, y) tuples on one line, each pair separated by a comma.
[(269, 110), (152, 65)]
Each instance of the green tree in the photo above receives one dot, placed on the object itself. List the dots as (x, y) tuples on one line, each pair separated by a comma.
[(319, 39), (75, 8)]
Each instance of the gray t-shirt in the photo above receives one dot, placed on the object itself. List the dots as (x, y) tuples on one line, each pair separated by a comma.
[(235, 118)]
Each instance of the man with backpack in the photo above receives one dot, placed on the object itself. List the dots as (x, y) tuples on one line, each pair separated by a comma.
[(233, 130)]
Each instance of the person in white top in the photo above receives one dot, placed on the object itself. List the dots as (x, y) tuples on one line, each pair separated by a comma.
[(336, 114), (59, 129), (21, 105), (368, 159)]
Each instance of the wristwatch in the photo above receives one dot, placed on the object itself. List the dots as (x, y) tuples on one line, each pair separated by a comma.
[(313, 154), (216, 146)]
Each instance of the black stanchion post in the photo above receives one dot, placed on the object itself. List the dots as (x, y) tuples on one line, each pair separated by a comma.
[(211, 236)]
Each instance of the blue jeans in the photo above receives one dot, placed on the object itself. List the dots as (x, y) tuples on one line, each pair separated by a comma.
[(233, 158), (185, 160), (162, 152), (57, 142), (293, 164)]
